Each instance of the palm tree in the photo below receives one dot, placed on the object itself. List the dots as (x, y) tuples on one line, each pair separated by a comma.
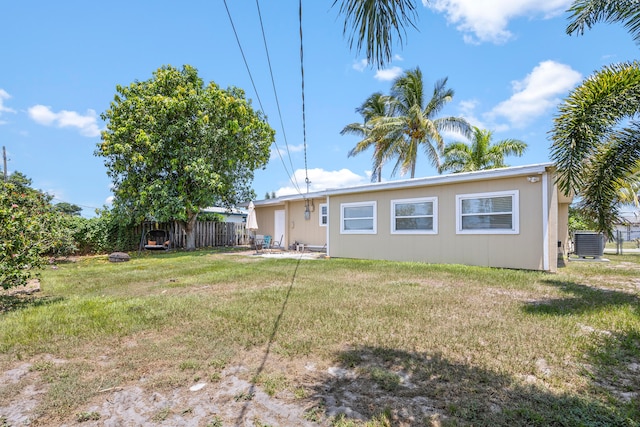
[(376, 24), (630, 188), (415, 122), (481, 154), (592, 151), (375, 106)]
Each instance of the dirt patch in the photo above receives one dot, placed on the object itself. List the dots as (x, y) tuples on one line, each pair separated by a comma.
[(32, 286), (238, 398)]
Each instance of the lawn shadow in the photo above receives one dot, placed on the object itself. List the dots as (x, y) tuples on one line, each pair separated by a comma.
[(612, 358), (413, 389), (583, 299), (16, 302)]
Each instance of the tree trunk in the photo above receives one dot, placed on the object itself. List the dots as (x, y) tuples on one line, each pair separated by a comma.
[(190, 231)]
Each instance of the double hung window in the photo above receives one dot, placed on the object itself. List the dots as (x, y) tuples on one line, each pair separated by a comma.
[(487, 213), (358, 218), (324, 214), (414, 216)]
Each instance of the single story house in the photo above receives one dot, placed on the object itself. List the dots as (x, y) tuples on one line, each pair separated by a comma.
[(512, 217), (629, 225)]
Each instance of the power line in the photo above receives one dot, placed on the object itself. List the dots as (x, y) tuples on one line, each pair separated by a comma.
[(292, 180), (82, 206), (275, 93), (304, 120)]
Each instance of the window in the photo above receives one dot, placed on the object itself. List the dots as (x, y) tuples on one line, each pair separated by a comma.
[(358, 218), (487, 213), (324, 214), (414, 216)]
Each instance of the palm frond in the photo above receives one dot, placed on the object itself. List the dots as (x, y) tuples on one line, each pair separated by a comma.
[(588, 116), (612, 162), (586, 13), (376, 25)]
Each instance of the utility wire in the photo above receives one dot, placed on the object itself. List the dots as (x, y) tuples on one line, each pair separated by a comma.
[(304, 120), (275, 93), (292, 180)]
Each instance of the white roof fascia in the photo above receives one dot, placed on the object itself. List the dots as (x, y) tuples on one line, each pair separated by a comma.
[(291, 197), (416, 182), (446, 179)]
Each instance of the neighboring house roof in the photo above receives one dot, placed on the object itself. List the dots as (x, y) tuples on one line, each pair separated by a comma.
[(632, 218), (225, 211), (535, 169)]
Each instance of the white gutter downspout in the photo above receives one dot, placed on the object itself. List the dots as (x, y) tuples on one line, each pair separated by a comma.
[(545, 221), (328, 225)]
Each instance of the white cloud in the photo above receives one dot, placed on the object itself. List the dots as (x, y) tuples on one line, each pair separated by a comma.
[(109, 200), (360, 65), (3, 109), (537, 93), (467, 111), (87, 123), (388, 73), (487, 20), (282, 151), (322, 180)]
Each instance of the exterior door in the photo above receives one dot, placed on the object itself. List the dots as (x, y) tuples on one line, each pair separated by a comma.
[(279, 229)]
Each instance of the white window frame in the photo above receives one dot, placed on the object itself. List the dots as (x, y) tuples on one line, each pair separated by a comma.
[(359, 204), (515, 212), (321, 215), (434, 216)]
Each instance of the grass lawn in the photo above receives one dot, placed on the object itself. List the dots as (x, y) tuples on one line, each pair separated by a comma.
[(382, 343)]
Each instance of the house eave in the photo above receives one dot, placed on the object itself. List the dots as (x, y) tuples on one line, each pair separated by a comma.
[(446, 179), (535, 169)]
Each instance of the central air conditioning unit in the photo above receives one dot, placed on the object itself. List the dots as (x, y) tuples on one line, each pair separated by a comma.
[(588, 244)]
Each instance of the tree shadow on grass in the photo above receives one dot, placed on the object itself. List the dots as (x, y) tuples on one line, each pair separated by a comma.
[(612, 358), (16, 302), (583, 299), (412, 389)]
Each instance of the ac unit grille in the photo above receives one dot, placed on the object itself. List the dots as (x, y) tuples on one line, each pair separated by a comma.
[(588, 243)]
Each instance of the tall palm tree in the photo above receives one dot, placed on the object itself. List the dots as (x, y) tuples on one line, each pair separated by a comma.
[(415, 122), (596, 141), (376, 24), (481, 154), (375, 106)]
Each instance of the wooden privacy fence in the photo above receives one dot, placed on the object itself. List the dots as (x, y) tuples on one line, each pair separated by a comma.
[(208, 233)]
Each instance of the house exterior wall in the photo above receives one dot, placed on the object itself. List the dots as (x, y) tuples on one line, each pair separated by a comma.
[(302, 230), (528, 249), (298, 229), (265, 216)]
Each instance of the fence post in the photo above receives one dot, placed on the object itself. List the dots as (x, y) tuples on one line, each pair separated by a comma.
[(618, 242)]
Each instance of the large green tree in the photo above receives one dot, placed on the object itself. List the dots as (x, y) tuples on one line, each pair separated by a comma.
[(174, 145), (596, 139), (68, 208), (26, 233), (415, 123), (374, 107), (481, 154)]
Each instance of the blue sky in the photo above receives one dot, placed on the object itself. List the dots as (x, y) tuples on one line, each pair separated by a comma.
[(510, 63)]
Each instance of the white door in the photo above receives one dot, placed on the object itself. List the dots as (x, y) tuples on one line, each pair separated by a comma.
[(279, 229)]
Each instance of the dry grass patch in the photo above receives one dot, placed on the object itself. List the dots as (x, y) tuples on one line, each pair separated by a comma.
[(341, 340)]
